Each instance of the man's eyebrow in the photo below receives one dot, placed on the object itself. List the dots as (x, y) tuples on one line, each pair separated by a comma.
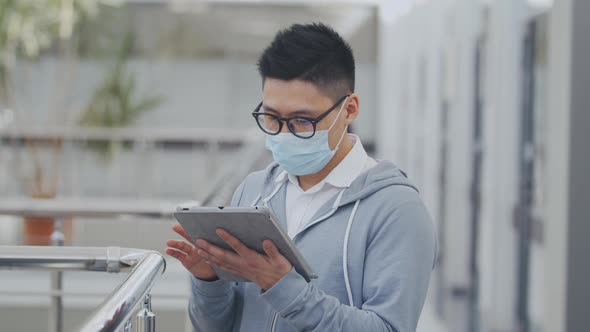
[(298, 112), (269, 109), (302, 112)]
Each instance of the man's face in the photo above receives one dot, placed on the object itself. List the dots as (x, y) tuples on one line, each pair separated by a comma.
[(300, 98)]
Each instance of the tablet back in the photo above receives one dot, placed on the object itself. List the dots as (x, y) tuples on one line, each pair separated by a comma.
[(252, 225)]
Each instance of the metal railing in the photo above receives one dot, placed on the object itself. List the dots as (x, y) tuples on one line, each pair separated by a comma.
[(115, 312), (220, 136), (64, 208), (142, 148)]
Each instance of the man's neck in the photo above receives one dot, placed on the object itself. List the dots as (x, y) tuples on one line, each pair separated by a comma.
[(308, 181)]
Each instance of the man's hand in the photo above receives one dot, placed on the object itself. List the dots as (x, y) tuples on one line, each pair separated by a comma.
[(264, 270), (186, 253)]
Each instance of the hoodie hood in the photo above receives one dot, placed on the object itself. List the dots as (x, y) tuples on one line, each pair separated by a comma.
[(380, 176)]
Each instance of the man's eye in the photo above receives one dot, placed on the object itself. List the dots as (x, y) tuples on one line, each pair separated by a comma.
[(302, 122)]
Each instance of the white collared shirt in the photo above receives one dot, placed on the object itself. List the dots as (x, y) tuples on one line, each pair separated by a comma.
[(302, 205)]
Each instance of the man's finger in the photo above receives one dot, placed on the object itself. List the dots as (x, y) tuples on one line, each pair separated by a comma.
[(204, 254), (181, 245), (208, 250), (211, 260), (179, 255), (180, 231), (216, 262), (212, 249), (228, 268), (233, 242), (271, 250), (175, 253)]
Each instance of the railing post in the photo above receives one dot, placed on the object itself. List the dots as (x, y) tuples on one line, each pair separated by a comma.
[(56, 308), (146, 320), (128, 326)]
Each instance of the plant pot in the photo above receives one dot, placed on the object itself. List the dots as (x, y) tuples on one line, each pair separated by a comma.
[(37, 230)]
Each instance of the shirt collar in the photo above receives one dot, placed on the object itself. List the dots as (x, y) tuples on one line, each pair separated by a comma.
[(343, 174)]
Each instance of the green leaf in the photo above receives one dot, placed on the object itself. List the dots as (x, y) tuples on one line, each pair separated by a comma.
[(113, 103)]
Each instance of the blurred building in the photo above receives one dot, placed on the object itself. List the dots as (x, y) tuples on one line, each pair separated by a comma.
[(482, 102)]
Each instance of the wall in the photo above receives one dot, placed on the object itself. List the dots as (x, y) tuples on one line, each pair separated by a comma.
[(427, 73), (197, 94)]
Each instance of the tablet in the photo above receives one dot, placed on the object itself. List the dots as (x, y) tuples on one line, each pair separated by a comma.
[(251, 225)]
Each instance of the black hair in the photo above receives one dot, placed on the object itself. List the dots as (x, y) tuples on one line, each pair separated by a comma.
[(313, 53)]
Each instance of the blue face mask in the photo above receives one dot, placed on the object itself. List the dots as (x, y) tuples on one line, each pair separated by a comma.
[(300, 156)]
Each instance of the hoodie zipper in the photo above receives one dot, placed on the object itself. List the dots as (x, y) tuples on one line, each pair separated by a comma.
[(273, 325)]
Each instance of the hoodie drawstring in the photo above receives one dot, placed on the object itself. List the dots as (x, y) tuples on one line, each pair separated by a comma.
[(274, 192), (256, 200), (346, 234), (345, 253), (269, 197)]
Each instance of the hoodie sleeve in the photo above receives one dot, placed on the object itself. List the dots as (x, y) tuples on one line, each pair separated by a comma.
[(213, 304), (398, 260)]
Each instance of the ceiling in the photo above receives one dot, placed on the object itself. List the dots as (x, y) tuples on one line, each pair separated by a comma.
[(241, 29)]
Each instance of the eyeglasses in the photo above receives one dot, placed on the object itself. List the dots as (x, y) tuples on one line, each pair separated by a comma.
[(300, 126)]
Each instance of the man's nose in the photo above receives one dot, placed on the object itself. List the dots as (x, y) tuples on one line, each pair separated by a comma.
[(285, 128)]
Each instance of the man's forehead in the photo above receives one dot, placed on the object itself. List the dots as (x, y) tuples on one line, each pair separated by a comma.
[(293, 87), (293, 96), (302, 93)]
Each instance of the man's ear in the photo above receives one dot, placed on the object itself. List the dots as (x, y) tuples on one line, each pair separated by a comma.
[(352, 108)]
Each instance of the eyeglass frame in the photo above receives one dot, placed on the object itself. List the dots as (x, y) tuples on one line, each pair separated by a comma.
[(283, 120)]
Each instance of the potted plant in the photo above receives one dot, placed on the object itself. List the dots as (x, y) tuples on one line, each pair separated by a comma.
[(116, 103), (28, 28)]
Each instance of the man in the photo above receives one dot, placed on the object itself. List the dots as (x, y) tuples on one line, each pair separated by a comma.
[(359, 223)]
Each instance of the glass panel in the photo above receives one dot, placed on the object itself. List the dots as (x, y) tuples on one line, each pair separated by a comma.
[(303, 127), (268, 123)]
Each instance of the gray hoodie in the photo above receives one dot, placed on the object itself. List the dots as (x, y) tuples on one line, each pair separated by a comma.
[(373, 247)]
